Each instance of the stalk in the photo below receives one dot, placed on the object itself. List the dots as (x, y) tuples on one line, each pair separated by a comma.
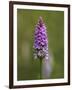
[(40, 68)]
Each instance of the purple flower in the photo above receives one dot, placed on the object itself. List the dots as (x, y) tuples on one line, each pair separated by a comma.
[(40, 40)]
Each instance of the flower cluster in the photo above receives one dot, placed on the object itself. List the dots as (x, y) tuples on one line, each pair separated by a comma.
[(40, 40)]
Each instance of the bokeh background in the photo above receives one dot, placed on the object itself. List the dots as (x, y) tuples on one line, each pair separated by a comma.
[(27, 67)]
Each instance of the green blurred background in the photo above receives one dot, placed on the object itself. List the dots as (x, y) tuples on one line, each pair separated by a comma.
[(27, 67)]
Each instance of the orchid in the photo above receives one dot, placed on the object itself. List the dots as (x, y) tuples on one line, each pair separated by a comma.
[(40, 43), (40, 40)]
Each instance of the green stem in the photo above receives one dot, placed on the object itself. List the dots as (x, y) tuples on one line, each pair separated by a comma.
[(40, 68)]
